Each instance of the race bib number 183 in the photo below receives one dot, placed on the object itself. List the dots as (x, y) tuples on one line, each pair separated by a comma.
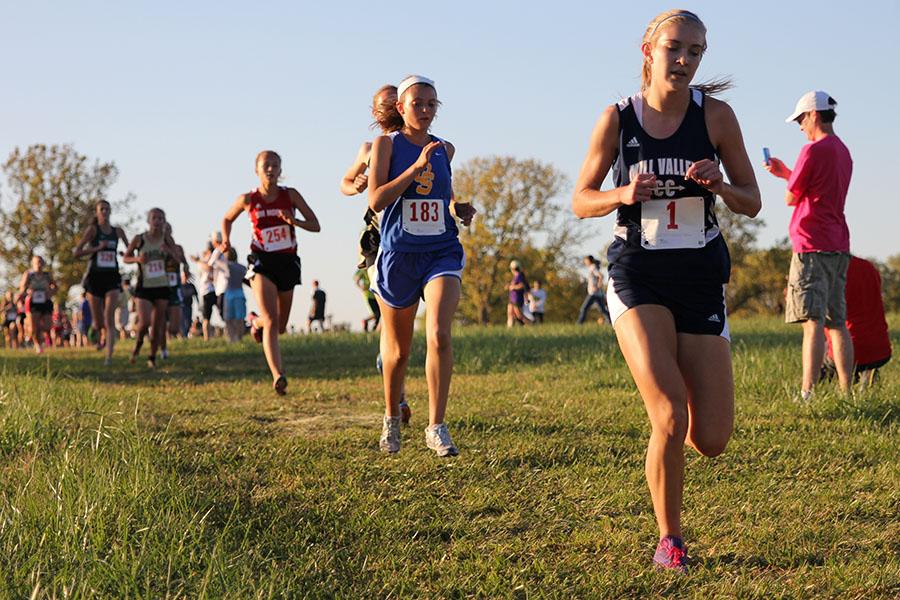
[(423, 216), (672, 223)]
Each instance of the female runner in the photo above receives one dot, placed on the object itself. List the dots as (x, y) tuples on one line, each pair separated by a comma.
[(149, 250), (356, 181), (37, 288), (174, 264), (10, 317), (419, 256), (274, 267), (668, 261), (102, 282)]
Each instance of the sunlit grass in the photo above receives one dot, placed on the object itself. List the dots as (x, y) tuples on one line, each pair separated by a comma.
[(197, 481)]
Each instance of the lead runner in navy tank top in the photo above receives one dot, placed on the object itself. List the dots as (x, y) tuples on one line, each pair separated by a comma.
[(631, 254), (668, 260)]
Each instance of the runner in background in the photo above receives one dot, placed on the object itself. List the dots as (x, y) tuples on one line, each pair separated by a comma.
[(149, 250), (174, 264), (361, 279), (537, 298), (316, 309), (10, 319), (273, 265), (355, 181), (102, 282), (36, 288)]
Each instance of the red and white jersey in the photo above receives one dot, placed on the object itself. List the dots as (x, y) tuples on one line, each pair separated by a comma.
[(270, 232)]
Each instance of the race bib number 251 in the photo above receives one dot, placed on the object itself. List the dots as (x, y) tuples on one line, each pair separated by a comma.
[(673, 223)]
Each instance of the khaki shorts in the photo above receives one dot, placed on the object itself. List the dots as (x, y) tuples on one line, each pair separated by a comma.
[(816, 287)]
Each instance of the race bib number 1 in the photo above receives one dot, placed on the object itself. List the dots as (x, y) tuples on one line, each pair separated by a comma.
[(38, 296), (277, 238), (106, 259), (423, 216), (173, 279), (672, 223)]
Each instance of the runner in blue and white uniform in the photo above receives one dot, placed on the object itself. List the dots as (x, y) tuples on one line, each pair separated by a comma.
[(668, 263), (419, 257)]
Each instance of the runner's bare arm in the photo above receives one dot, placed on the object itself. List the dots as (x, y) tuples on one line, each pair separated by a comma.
[(741, 195), (239, 206), (382, 191), (309, 222), (129, 256), (355, 180), (588, 200), (80, 249)]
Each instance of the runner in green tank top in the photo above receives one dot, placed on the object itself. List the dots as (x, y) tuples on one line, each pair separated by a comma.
[(174, 264), (37, 288), (149, 250)]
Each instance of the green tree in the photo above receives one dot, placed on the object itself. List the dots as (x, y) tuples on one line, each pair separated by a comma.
[(519, 218), (51, 193), (890, 282)]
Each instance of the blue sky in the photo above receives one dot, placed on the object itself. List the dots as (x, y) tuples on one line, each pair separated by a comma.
[(182, 96)]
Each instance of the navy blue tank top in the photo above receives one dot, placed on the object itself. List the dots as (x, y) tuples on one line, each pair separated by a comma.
[(674, 237), (419, 220)]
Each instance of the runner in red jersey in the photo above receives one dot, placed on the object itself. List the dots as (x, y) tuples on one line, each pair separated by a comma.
[(273, 265)]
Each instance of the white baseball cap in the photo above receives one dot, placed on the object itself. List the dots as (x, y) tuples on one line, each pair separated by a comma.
[(810, 101), (410, 81)]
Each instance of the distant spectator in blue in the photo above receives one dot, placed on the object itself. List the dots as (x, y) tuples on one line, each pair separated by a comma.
[(234, 301), (595, 294), (86, 319)]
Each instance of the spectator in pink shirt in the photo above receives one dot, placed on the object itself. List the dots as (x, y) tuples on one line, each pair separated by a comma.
[(817, 189)]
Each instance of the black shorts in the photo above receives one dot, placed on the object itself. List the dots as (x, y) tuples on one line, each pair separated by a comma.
[(100, 283), (152, 294), (174, 296), (281, 268), (209, 302), (43, 308), (697, 307)]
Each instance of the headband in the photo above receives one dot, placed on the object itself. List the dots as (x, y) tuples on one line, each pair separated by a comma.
[(411, 81), (688, 15)]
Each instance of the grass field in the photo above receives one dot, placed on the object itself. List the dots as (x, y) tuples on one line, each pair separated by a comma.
[(195, 481)]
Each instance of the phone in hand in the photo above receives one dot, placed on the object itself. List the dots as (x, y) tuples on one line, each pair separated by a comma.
[(766, 156)]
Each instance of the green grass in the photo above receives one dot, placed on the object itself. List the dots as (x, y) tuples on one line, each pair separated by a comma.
[(196, 481)]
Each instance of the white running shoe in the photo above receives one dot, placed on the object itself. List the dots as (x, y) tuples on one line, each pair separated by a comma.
[(437, 437), (390, 435)]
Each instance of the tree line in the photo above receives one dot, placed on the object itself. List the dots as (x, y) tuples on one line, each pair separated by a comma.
[(523, 215)]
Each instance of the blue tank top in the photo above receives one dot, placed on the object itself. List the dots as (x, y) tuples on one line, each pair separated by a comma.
[(674, 237), (419, 220)]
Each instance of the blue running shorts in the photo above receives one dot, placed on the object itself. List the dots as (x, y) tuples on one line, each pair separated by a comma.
[(400, 277)]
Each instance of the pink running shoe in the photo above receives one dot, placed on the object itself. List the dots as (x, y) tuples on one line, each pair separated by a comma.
[(671, 553)]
